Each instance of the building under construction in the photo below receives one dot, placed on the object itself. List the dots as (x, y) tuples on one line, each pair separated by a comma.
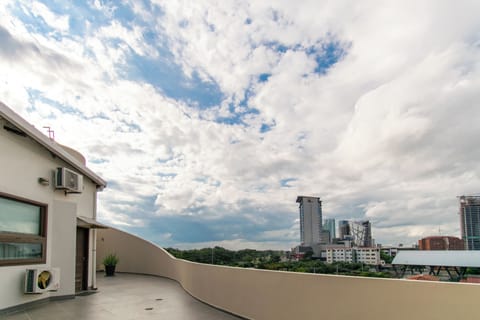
[(362, 233), (358, 232), (470, 221)]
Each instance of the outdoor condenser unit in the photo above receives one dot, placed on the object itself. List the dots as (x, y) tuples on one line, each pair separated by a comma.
[(68, 180), (42, 279)]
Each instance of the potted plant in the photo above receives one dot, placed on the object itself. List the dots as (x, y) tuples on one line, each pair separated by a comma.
[(110, 262)]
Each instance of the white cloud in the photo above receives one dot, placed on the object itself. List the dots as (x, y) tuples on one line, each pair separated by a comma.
[(58, 22), (387, 133), (132, 37), (105, 7)]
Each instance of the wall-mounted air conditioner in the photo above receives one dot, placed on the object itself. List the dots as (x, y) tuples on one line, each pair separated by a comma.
[(68, 180), (42, 279)]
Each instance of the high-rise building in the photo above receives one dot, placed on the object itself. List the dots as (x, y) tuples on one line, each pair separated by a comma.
[(344, 229), (441, 243), (329, 225), (310, 220), (361, 232), (470, 221)]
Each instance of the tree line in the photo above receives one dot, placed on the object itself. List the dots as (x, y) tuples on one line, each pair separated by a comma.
[(273, 260)]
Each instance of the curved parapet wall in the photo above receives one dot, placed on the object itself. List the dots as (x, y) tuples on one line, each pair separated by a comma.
[(75, 154), (260, 294), (135, 254)]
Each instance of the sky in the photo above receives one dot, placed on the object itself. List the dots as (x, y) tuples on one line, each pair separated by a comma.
[(208, 118)]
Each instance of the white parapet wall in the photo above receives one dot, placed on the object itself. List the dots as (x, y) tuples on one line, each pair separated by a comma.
[(261, 294)]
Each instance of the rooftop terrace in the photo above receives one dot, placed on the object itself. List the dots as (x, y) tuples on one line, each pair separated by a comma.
[(265, 295), (126, 296), (250, 293)]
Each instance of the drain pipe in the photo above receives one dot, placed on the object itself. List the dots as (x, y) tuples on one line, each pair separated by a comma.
[(94, 244)]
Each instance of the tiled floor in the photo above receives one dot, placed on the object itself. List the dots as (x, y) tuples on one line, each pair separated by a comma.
[(126, 296)]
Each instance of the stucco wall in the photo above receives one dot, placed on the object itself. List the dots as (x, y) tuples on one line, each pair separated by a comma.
[(22, 162), (153, 260), (64, 221), (260, 294)]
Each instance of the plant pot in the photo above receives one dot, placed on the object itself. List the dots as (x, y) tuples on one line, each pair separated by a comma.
[(109, 271)]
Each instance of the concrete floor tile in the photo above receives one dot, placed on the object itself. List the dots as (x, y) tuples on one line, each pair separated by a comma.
[(125, 297)]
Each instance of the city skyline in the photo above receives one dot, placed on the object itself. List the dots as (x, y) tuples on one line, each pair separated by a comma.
[(208, 119)]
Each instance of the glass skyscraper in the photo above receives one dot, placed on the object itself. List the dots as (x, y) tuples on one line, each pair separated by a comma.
[(470, 221), (344, 229), (329, 225)]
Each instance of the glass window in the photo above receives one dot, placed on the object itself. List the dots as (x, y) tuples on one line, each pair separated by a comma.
[(18, 251), (19, 217), (22, 231)]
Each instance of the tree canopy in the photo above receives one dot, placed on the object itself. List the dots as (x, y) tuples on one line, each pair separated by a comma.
[(272, 260)]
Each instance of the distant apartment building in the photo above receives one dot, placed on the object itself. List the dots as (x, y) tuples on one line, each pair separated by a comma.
[(329, 226), (310, 220), (390, 250), (441, 243), (370, 256), (338, 253), (470, 221)]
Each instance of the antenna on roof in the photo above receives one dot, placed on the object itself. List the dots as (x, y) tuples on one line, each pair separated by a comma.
[(51, 133)]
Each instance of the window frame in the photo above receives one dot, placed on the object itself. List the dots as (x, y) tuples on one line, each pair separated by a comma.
[(13, 237)]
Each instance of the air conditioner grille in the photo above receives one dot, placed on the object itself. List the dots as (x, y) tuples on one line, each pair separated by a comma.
[(68, 180), (29, 283), (71, 180)]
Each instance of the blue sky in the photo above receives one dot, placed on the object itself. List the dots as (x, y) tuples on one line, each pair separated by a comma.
[(208, 119)]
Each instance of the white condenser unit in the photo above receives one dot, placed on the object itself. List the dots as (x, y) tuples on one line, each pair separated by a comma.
[(42, 280), (68, 180)]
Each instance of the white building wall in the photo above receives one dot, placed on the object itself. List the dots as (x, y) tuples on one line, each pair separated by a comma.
[(369, 256), (64, 222), (22, 162)]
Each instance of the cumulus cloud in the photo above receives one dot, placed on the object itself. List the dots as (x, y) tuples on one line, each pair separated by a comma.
[(213, 116), (58, 22)]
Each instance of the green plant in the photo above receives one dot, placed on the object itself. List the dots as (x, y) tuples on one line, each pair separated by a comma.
[(110, 260)]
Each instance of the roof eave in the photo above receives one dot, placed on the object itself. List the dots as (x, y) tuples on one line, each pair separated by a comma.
[(49, 144)]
